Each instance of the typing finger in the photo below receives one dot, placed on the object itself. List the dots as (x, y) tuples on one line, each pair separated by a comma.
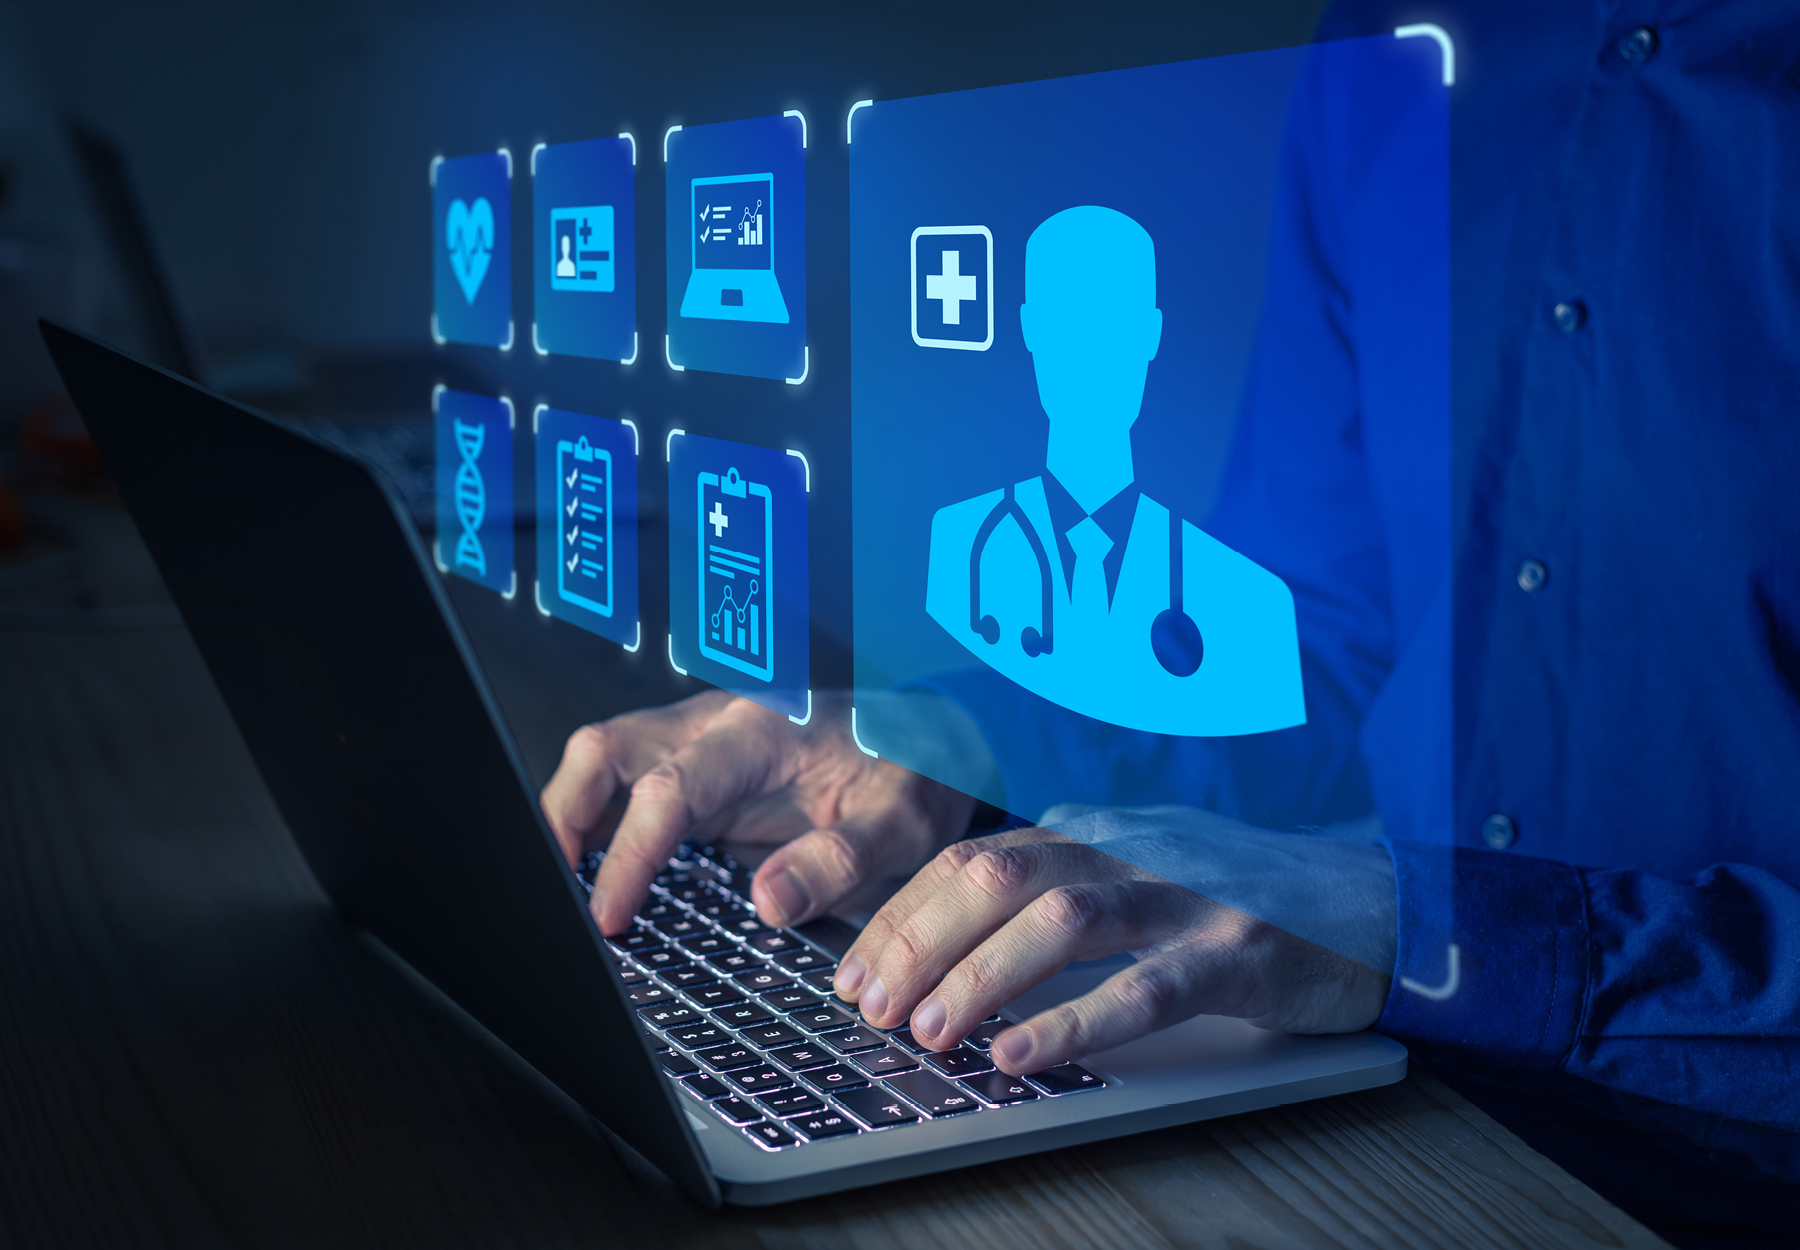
[(1066, 923), (853, 970), (742, 754), (599, 762), (993, 887)]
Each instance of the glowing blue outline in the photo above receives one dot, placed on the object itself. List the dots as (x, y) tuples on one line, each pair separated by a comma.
[(913, 250), (671, 130), (437, 557), (537, 595), (511, 328), (632, 359), (435, 162), (669, 444), (672, 663), (535, 149), (512, 414), (637, 640), (1431, 30), (802, 720), (436, 392), (670, 358), (802, 117), (536, 346), (512, 588), (858, 741), (635, 449), (507, 153), (436, 337), (806, 364), (626, 134), (1452, 979), (537, 412), (803, 464), (860, 104)]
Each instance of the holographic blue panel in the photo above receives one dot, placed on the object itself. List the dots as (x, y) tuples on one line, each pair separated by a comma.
[(587, 523), (475, 488), (471, 236)]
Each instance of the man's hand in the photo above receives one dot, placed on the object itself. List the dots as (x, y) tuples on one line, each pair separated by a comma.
[(991, 917), (720, 766)]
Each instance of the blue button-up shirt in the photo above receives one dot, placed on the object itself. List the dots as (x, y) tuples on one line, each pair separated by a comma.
[(1634, 715)]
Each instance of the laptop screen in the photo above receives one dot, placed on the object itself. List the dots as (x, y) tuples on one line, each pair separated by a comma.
[(734, 222)]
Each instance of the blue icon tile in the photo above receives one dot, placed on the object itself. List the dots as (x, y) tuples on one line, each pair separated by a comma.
[(584, 249), (738, 605), (587, 523), (736, 216), (471, 234), (475, 488)]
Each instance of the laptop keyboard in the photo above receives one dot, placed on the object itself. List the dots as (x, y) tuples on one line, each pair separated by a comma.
[(746, 1024)]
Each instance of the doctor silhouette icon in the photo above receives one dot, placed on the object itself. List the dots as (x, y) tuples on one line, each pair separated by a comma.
[(1077, 585)]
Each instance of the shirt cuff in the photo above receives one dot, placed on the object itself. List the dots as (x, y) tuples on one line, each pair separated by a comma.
[(1493, 955)]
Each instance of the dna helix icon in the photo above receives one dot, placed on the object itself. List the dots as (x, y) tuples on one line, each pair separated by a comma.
[(470, 496)]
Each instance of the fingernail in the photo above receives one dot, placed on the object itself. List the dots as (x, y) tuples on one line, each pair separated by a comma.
[(874, 1000), (790, 896), (849, 976), (1013, 1047), (929, 1018)]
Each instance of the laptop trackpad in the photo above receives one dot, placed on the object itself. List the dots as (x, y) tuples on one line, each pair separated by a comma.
[(730, 298)]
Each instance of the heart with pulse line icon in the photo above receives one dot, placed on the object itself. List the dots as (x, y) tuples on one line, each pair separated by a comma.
[(469, 235)]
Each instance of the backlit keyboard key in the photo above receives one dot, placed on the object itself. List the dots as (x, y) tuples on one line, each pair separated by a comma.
[(667, 1017), (822, 1019), (760, 1080), (886, 1061), (774, 941), (849, 1041), (705, 1087), (791, 1000), (1067, 1078), (959, 1062), (680, 926), (698, 1036), (821, 981), (791, 1102), (707, 944), (1000, 1089), (677, 1064), (728, 1057), (825, 1124), (738, 1110), (905, 1038), (773, 1034), (877, 1107), (770, 1135), (686, 976), (662, 960), (938, 1097), (835, 1077), (647, 994), (804, 961), (720, 995), (742, 1015), (801, 1058), (982, 1035), (743, 926), (761, 980), (635, 940), (733, 961)]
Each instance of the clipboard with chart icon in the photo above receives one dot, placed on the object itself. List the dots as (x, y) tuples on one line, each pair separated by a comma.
[(736, 559)]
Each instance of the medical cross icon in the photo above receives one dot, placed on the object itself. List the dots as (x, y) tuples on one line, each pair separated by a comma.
[(951, 288), (718, 520)]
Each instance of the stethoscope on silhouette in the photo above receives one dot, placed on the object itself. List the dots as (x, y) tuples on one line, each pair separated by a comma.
[(1174, 637)]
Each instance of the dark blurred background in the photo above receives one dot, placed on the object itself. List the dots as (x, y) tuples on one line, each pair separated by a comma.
[(239, 191)]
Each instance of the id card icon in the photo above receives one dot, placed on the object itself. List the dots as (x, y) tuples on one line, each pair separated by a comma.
[(584, 502), (736, 558)]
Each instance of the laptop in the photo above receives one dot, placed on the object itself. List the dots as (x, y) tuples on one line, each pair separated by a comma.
[(732, 246), (702, 1041)]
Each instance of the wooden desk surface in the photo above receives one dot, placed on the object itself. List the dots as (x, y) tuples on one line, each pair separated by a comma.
[(195, 1050)]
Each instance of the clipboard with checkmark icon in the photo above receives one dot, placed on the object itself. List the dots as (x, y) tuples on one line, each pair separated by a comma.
[(584, 514)]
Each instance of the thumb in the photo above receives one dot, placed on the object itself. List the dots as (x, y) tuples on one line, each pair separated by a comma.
[(817, 870)]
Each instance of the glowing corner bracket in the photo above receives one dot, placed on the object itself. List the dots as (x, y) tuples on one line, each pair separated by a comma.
[(537, 597), (669, 443), (535, 149), (851, 115), (802, 117), (807, 719), (805, 366), (632, 425), (507, 153), (801, 457), (435, 162), (437, 393), (512, 414), (537, 412), (512, 587), (632, 140), (671, 359), (536, 346), (858, 741), (637, 640), (913, 249), (510, 327), (1453, 979), (632, 359), (1431, 30), (671, 130), (672, 663), (437, 335)]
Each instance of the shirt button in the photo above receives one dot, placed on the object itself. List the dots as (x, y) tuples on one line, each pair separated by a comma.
[(1569, 316), (1499, 831), (1638, 46), (1532, 574)]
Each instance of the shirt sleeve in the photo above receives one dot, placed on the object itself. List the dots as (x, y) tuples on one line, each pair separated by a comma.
[(1686, 992)]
